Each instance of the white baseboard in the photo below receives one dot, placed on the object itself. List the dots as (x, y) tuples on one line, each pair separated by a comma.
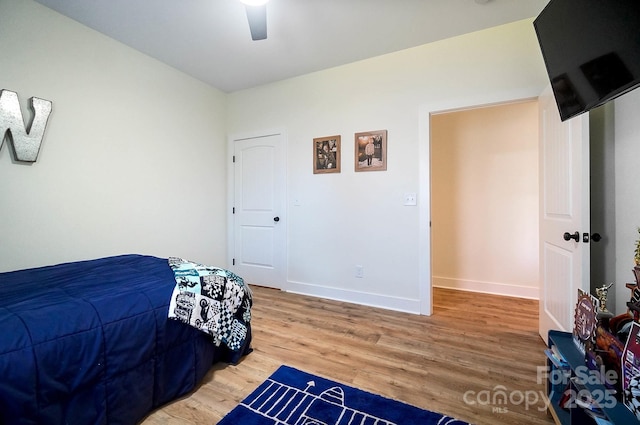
[(406, 305), (487, 287)]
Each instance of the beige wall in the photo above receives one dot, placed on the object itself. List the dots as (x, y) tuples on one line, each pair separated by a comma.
[(134, 156), (484, 199), (350, 218), (132, 159)]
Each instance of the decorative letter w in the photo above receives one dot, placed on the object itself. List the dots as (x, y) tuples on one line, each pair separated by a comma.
[(26, 141)]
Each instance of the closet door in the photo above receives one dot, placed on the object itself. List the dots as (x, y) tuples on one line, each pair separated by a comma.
[(259, 210)]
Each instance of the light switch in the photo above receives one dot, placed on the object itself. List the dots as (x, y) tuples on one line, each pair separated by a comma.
[(410, 199)]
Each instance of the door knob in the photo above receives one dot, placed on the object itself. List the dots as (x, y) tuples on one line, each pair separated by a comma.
[(276, 219), (568, 236)]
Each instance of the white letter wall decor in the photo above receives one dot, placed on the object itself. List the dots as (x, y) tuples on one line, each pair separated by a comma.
[(26, 141)]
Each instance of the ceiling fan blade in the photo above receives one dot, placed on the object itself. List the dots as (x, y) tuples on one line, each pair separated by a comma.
[(257, 17)]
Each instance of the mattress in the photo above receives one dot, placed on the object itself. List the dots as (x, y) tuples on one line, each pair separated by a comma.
[(90, 342)]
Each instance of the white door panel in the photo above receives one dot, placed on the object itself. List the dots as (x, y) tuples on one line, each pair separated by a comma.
[(564, 208), (259, 225)]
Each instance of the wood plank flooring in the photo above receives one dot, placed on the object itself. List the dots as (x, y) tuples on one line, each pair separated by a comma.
[(455, 362)]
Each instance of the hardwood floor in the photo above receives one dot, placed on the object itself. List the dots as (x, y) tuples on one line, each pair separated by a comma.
[(472, 348)]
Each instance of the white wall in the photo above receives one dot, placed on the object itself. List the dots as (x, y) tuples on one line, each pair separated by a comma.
[(627, 188), (133, 158), (358, 218), (484, 199)]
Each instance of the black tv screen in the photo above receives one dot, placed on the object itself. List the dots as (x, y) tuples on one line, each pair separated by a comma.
[(591, 49)]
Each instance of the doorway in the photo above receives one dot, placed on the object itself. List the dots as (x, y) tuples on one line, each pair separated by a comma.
[(257, 239), (485, 198), (602, 200)]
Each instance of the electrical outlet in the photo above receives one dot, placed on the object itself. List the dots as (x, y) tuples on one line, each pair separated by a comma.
[(359, 271), (410, 199)]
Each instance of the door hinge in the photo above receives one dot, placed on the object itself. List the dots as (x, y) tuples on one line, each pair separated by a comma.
[(233, 262), (233, 210), (234, 158)]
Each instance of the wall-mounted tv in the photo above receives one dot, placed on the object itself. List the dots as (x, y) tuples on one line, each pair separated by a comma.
[(591, 49)]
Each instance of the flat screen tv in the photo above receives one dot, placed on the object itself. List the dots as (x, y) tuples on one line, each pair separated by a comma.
[(591, 49)]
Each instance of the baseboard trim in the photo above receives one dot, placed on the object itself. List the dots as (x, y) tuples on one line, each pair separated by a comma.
[(406, 305), (487, 287)]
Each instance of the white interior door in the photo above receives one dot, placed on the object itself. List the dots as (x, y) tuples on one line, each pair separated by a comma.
[(259, 210), (564, 205)]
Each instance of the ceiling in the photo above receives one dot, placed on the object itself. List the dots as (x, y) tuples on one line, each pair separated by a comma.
[(210, 39)]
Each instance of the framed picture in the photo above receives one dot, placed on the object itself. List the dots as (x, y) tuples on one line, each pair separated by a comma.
[(326, 155), (371, 151)]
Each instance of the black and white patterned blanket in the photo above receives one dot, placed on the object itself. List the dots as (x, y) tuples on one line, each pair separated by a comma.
[(213, 300)]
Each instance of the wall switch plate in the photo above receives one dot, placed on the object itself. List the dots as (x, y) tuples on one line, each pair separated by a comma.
[(410, 199), (359, 271)]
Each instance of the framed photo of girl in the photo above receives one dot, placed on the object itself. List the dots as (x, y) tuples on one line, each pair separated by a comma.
[(326, 155), (371, 151)]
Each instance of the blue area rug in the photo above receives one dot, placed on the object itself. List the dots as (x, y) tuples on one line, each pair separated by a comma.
[(293, 397)]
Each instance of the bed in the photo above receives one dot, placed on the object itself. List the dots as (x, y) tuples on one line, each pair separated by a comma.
[(91, 342)]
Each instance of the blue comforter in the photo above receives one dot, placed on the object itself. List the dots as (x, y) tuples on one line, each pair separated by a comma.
[(90, 343)]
